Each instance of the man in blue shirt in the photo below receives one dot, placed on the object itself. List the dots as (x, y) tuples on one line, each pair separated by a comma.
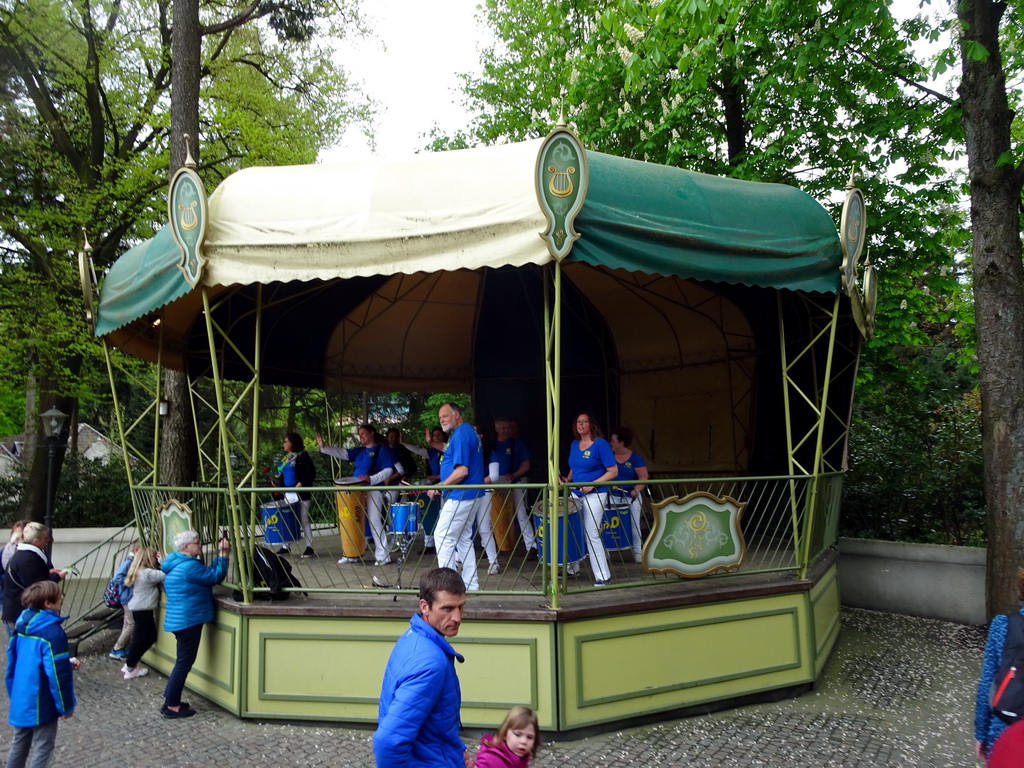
[(461, 464)]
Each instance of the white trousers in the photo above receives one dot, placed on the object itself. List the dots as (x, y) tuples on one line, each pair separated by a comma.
[(453, 538), (592, 510)]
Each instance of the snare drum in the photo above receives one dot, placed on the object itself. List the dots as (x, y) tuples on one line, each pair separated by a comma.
[(427, 509), (571, 541), (351, 517), (404, 517), (617, 527), (280, 525)]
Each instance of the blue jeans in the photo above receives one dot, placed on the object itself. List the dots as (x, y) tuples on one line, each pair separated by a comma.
[(38, 740), (188, 648)]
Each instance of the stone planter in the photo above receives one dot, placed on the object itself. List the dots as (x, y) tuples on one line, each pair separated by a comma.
[(929, 580)]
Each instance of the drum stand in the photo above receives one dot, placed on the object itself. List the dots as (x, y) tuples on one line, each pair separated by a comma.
[(403, 517), (400, 542)]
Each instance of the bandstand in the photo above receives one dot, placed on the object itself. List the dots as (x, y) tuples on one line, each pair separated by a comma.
[(720, 320)]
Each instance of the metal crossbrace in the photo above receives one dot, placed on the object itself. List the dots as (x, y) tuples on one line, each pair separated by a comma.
[(816, 399)]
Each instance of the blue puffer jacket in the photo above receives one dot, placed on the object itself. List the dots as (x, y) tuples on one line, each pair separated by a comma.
[(39, 675), (189, 589), (420, 701)]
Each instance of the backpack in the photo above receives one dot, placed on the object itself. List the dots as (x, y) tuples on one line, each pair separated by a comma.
[(112, 594), (1006, 695), (272, 571), (117, 594)]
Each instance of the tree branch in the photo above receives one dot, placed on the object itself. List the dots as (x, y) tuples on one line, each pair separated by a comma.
[(236, 21)]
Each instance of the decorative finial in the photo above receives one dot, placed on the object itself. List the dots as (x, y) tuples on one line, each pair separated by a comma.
[(853, 172), (189, 162), (561, 109), (85, 242)]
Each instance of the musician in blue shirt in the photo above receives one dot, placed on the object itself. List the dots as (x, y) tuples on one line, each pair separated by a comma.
[(373, 463), (461, 463)]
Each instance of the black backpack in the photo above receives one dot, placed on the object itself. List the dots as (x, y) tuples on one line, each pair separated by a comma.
[(1007, 692), (272, 571)]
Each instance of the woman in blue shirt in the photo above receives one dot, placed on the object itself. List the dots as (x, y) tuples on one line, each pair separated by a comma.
[(373, 463), (631, 468), (591, 459)]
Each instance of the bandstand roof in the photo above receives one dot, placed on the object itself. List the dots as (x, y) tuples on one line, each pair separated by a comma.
[(410, 236)]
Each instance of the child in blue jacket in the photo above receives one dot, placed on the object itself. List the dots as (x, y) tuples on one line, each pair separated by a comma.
[(39, 675)]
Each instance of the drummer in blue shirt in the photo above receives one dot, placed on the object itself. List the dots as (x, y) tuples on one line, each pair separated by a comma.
[(461, 463), (591, 459), (632, 467), (373, 464)]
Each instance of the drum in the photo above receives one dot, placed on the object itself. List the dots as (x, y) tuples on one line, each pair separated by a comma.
[(351, 518), (571, 541), (403, 517), (427, 509), (617, 527), (280, 524), (502, 517)]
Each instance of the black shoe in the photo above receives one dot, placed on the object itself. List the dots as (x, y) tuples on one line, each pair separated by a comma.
[(532, 555), (183, 711), (283, 551), (308, 552), (429, 550)]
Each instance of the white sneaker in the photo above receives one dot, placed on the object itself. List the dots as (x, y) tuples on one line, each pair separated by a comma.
[(124, 669), (493, 569), (139, 671), (573, 568), (381, 563), (637, 557), (345, 560)]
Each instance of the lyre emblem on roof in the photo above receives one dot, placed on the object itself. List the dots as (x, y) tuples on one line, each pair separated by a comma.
[(560, 184), (188, 220), (187, 214)]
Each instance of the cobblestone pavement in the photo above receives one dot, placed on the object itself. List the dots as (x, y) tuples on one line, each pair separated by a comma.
[(897, 691)]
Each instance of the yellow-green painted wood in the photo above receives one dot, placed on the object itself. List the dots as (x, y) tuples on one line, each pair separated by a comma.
[(624, 666), (825, 608)]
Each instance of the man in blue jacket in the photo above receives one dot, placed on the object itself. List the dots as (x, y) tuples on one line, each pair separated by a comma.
[(420, 700)]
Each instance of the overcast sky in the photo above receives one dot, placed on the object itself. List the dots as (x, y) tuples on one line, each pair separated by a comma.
[(416, 79)]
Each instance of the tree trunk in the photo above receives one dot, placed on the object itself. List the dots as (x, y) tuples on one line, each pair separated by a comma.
[(998, 296), (178, 452)]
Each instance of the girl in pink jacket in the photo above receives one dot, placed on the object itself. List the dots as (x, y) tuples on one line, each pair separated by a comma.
[(514, 744)]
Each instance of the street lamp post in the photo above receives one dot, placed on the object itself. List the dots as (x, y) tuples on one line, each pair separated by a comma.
[(53, 424)]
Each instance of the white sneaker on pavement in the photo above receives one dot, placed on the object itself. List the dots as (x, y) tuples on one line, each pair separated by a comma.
[(139, 671)]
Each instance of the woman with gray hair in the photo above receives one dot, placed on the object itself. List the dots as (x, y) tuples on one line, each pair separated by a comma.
[(28, 565), (188, 585)]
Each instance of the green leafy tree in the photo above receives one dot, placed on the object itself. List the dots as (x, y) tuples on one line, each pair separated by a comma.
[(85, 139)]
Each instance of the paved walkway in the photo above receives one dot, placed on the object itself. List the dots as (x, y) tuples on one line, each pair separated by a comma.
[(897, 691)]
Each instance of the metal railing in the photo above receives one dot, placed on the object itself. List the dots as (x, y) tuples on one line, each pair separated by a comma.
[(90, 574), (782, 532)]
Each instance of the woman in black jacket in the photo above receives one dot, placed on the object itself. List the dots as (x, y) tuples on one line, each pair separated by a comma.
[(28, 565), (296, 470)]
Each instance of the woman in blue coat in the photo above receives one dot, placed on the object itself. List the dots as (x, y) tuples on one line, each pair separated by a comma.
[(188, 585)]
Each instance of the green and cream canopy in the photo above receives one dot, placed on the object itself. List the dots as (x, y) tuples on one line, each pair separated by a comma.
[(456, 212)]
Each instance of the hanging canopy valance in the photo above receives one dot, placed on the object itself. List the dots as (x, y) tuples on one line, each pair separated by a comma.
[(476, 208)]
